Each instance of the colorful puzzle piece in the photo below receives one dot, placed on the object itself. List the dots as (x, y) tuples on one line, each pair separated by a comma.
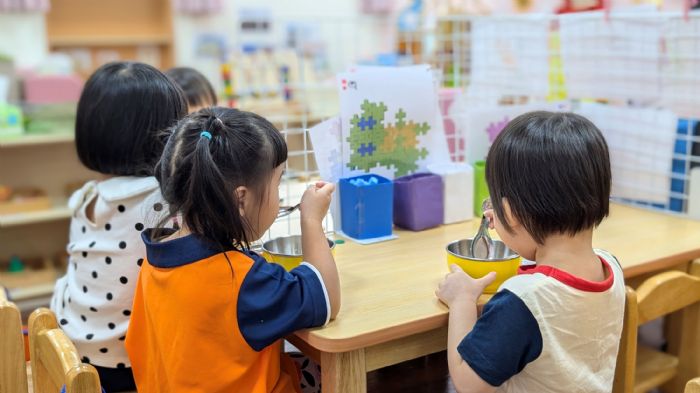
[(374, 143), (367, 123), (495, 128), (366, 149)]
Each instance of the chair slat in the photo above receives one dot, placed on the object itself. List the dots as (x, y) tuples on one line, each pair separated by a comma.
[(13, 368), (55, 360)]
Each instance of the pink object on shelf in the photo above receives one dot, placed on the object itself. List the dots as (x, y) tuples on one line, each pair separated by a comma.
[(52, 89), (446, 96), (24, 6), (377, 6)]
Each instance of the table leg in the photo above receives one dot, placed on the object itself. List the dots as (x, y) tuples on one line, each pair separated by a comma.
[(344, 372)]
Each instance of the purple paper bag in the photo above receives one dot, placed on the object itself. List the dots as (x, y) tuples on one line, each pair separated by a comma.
[(418, 201)]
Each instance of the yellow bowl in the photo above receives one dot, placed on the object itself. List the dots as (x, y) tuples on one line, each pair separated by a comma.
[(286, 251), (505, 262)]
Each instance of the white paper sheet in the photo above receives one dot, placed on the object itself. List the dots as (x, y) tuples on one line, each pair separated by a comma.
[(680, 76), (326, 141), (616, 58), (641, 143), (390, 121), (510, 56)]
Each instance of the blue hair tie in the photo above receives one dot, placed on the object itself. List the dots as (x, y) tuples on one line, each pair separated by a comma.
[(205, 134)]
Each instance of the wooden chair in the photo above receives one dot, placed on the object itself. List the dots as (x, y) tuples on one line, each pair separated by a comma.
[(55, 361), (13, 368), (693, 386), (627, 353), (660, 295)]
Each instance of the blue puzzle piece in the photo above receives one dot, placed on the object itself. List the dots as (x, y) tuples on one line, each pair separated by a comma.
[(366, 149), (367, 123)]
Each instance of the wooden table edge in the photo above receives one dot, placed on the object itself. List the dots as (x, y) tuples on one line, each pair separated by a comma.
[(661, 264), (368, 339)]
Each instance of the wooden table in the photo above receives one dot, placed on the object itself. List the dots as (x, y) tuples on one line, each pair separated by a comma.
[(389, 311)]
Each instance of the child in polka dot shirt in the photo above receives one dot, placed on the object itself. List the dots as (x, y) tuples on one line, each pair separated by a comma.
[(122, 113)]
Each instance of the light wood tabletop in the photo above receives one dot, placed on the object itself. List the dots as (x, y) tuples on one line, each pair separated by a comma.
[(389, 311)]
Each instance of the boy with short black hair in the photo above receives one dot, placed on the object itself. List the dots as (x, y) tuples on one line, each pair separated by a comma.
[(555, 327)]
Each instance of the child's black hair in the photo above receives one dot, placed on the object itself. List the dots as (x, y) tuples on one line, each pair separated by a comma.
[(198, 176), (122, 113), (554, 171), (197, 89)]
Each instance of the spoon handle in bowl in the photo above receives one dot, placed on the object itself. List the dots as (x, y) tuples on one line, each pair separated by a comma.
[(481, 245)]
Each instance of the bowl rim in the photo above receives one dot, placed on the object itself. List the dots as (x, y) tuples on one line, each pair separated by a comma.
[(264, 248), (512, 256)]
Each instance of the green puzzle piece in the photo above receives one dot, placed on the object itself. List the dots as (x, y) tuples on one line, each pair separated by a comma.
[(374, 143)]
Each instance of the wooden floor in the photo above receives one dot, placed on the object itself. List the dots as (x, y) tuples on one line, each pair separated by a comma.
[(428, 374)]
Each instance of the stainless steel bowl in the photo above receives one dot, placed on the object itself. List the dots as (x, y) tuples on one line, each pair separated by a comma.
[(505, 262), (288, 246), (461, 249)]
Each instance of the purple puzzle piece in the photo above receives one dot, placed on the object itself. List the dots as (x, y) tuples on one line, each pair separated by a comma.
[(418, 201)]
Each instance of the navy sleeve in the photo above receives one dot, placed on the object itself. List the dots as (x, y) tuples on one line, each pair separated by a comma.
[(504, 340), (273, 303)]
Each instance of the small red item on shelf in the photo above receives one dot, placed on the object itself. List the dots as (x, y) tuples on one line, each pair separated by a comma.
[(581, 5)]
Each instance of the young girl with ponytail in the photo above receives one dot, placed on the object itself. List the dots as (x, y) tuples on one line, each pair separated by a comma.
[(209, 314)]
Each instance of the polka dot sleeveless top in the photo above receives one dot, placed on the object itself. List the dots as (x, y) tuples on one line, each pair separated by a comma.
[(93, 300)]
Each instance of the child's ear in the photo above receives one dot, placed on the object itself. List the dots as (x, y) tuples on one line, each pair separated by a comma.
[(510, 219), (242, 198)]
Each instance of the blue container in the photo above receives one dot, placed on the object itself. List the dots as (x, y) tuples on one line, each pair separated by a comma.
[(366, 206)]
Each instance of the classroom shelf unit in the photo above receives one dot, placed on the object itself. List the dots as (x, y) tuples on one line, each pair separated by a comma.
[(48, 162), (58, 212), (122, 40), (97, 32), (38, 139)]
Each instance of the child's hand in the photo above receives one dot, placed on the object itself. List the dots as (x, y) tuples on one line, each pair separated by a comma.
[(459, 286), (316, 200)]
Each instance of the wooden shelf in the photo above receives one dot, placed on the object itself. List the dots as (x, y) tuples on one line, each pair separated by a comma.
[(33, 291), (107, 41), (94, 32), (30, 284), (36, 139), (57, 213)]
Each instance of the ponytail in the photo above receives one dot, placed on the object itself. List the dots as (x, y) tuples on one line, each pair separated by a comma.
[(216, 209), (208, 156)]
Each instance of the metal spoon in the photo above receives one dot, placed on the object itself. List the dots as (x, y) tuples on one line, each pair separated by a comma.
[(287, 210), (482, 244)]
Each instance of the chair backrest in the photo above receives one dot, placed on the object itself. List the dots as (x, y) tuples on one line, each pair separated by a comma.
[(13, 368), (627, 354), (693, 386), (55, 361), (665, 293)]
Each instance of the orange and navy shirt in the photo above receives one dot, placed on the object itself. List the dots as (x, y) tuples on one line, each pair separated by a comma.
[(208, 321)]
